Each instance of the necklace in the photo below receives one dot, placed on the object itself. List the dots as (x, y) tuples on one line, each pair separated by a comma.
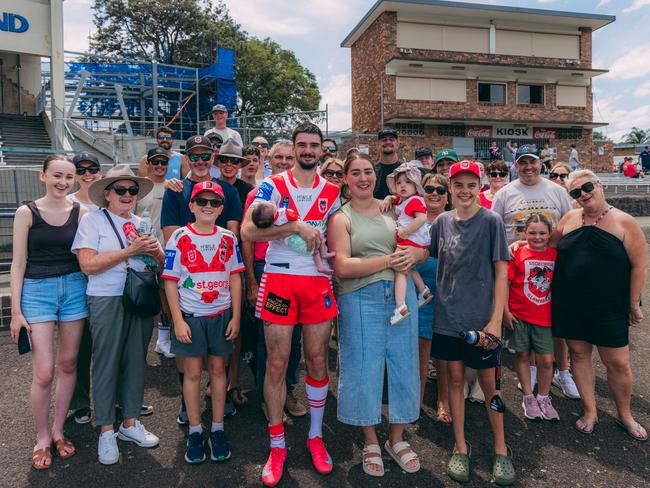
[(600, 217)]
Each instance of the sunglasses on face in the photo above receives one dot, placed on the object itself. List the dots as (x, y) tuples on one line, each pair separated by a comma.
[(203, 156), (93, 170), (213, 202), (555, 176), (329, 173), (217, 145), (329, 149), (440, 190), (263, 145), (159, 162), (500, 174), (165, 138), (577, 192), (122, 190), (234, 162)]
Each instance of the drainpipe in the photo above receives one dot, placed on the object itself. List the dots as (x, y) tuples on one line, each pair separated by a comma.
[(20, 98)]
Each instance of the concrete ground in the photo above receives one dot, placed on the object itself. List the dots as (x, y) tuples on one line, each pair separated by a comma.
[(545, 454)]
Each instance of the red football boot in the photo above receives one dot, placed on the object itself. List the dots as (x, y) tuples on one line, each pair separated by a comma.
[(274, 467), (319, 455)]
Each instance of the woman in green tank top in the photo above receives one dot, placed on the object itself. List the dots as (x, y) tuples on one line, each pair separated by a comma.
[(364, 241)]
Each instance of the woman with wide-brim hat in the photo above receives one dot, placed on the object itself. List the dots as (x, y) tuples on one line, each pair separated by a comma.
[(120, 338)]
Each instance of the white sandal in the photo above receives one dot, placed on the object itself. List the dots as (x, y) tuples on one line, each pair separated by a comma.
[(404, 458), (374, 459)]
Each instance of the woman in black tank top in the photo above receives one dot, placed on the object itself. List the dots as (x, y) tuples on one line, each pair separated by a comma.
[(48, 289), (598, 279)]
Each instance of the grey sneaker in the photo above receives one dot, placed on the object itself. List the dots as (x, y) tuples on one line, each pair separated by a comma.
[(564, 381), (547, 409), (531, 408)]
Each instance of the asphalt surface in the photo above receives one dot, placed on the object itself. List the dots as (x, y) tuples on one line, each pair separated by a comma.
[(545, 454)]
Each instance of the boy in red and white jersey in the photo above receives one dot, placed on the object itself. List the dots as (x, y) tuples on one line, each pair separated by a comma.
[(292, 291), (202, 282)]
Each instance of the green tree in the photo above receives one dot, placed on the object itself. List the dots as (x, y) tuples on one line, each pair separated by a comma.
[(599, 136), (637, 136), (188, 32)]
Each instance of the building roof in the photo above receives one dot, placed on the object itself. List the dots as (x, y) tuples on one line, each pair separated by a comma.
[(489, 12)]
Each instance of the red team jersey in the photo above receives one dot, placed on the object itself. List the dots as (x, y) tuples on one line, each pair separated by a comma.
[(314, 206), (530, 275)]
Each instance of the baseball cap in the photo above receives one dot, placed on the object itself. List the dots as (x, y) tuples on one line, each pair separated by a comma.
[(465, 166), (525, 150), (423, 151), (157, 152), (213, 134), (85, 156), (387, 133), (197, 141), (209, 186), (219, 108), (446, 154)]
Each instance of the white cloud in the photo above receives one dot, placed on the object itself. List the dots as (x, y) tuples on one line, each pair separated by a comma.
[(632, 64), (336, 93), (643, 90), (622, 119), (636, 5), (602, 3)]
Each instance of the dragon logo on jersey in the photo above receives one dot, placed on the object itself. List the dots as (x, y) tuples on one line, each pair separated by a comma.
[(537, 281), (322, 204)]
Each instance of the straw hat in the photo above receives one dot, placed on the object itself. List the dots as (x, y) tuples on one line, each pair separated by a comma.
[(117, 173), (412, 173)]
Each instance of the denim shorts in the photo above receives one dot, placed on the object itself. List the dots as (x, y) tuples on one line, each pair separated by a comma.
[(368, 345), (55, 299)]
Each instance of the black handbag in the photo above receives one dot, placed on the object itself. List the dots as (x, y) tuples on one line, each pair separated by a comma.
[(141, 295)]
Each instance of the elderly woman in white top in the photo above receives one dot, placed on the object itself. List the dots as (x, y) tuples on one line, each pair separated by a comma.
[(105, 242)]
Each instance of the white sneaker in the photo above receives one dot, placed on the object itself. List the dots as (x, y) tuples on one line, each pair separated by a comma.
[(533, 380), (399, 314), (137, 434), (564, 381), (476, 395), (107, 451), (164, 348)]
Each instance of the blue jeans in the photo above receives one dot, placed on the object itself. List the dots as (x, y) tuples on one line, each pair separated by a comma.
[(368, 345), (54, 299), (294, 356)]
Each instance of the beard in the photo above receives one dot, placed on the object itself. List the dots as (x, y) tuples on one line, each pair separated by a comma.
[(307, 165), (388, 151), (165, 145)]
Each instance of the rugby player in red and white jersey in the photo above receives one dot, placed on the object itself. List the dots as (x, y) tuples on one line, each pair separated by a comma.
[(292, 292)]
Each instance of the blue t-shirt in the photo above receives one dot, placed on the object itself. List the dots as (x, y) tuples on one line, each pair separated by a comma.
[(174, 168), (645, 159), (176, 205)]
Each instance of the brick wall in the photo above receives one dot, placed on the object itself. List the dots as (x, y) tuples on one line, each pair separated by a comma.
[(604, 162)]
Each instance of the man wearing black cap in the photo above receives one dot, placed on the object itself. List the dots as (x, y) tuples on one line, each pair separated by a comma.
[(220, 115), (177, 167), (176, 211), (425, 156), (387, 141)]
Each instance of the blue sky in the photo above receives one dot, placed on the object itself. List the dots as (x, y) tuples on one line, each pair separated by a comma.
[(314, 29)]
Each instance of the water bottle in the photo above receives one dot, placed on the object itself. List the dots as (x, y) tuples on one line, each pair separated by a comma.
[(482, 339), (146, 225)]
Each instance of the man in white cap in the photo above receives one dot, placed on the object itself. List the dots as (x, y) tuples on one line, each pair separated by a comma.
[(220, 115)]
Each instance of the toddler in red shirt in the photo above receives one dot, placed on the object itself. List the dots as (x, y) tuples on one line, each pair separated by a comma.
[(528, 315)]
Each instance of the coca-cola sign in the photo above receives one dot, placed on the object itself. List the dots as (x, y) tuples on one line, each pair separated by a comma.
[(544, 133), (479, 131)]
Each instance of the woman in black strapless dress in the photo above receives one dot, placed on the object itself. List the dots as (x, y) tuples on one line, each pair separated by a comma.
[(598, 279)]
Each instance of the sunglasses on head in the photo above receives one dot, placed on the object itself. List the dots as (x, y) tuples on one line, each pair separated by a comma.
[(122, 190), (213, 202), (93, 170), (555, 176), (501, 174), (263, 145), (329, 149), (195, 157), (440, 190), (158, 162), (165, 137), (217, 145), (577, 192), (330, 172)]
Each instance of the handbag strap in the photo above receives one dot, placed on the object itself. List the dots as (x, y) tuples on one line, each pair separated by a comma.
[(110, 221)]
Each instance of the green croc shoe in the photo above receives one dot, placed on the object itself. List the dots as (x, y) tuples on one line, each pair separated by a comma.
[(458, 467), (502, 470)]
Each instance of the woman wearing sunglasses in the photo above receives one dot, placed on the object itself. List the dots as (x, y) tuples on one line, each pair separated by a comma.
[(106, 240), (436, 199), (559, 174), (332, 171), (497, 175), (598, 279), (87, 171)]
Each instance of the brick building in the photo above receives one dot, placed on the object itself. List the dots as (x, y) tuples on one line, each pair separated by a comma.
[(460, 75)]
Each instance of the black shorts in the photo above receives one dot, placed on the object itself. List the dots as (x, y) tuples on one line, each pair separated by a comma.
[(611, 331), (450, 348)]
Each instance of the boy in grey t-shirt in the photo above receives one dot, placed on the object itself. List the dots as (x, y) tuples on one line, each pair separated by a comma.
[(472, 288)]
